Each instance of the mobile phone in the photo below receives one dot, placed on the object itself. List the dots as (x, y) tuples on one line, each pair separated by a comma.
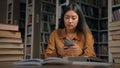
[(68, 42)]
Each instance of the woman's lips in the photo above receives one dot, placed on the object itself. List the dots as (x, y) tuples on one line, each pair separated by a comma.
[(69, 25)]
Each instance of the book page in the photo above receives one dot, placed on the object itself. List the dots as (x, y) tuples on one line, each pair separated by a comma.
[(50, 61), (91, 63), (29, 62), (55, 60)]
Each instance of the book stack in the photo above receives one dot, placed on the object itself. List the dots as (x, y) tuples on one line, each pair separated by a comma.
[(114, 40), (11, 46)]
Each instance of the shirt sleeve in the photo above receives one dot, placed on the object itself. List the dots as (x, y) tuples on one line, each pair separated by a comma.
[(51, 49), (89, 46)]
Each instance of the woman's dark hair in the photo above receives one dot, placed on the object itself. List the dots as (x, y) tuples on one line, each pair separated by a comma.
[(82, 26)]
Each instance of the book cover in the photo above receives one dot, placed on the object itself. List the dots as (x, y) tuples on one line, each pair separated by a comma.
[(115, 49), (116, 60), (28, 50), (103, 49), (11, 45), (115, 55), (10, 40), (115, 37), (112, 24), (11, 51), (114, 43), (9, 27), (114, 28), (10, 34), (115, 32), (11, 57)]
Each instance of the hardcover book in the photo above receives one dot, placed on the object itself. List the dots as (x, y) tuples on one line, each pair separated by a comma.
[(9, 27)]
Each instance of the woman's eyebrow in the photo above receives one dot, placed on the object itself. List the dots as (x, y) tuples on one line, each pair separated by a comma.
[(66, 15), (71, 15)]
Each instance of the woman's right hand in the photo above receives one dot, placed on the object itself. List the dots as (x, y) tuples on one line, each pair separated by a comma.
[(61, 51)]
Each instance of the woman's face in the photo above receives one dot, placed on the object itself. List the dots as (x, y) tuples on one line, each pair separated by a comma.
[(70, 20)]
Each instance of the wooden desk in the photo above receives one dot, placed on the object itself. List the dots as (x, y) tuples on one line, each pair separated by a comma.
[(11, 65)]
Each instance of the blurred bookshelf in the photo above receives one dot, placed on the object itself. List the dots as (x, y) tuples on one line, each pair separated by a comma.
[(48, 17), (114, 30), (40, 21), (16, 14)]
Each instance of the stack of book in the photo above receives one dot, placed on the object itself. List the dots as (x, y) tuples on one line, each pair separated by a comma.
[(11, 46), (114, 40)]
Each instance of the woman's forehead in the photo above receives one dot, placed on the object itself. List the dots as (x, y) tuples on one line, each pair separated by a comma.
[(71, 13)]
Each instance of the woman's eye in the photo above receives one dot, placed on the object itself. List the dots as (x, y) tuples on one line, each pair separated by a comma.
[(74, 18), (67, 17)]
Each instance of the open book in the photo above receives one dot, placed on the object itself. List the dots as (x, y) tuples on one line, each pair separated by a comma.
[(86, 60), (61, 61), (49, 60), (91, 63)]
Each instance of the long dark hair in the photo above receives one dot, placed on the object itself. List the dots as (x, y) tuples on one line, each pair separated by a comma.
[(82, 26)]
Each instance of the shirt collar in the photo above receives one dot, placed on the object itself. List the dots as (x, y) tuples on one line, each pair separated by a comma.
[(62, 34)]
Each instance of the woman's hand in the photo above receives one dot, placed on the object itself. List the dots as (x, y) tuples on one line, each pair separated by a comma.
[(61, 51), (75, 50)]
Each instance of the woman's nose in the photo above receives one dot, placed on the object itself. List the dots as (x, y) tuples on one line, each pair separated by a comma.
[(70, 20)]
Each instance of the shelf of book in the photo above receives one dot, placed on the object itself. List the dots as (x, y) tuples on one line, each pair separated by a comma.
[(103, 29), (9, 12), (40, 21), (97, 21), (29, 30), (113, 27), (48, 10)]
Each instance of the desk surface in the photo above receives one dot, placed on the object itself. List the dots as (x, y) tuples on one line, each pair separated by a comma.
[(11, 65)]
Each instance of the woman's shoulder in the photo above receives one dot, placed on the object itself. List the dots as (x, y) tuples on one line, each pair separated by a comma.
[(87, 34), (58, 32)]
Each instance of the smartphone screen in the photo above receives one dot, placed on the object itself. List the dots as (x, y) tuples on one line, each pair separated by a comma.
[(68, 42)]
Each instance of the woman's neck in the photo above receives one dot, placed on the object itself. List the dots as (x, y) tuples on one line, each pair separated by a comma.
[(70, 31), (70, 34)]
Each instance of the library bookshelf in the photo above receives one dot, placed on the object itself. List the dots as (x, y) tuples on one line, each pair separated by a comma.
[(113, 28), (40, 21), (16, 10)]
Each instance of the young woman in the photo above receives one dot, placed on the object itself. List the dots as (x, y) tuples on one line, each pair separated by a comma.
[(73, 37)]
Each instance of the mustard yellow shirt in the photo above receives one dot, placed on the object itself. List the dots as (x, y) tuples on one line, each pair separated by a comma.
[(57, 38)]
